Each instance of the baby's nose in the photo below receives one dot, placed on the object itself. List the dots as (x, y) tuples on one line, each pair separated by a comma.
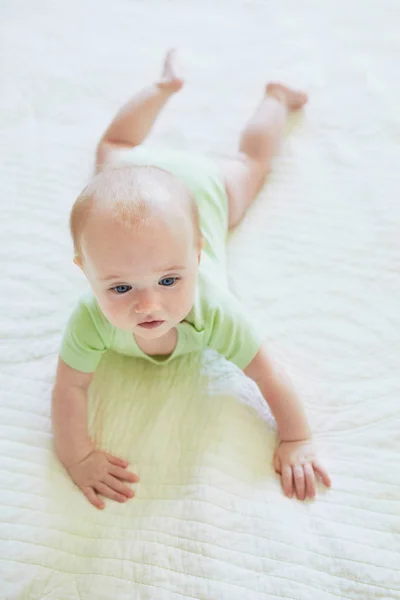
[(146, 302)]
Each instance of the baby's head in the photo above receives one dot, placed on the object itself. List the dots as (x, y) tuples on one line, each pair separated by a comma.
[(137, 238)]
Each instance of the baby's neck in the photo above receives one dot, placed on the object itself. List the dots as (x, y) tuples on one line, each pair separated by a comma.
[(162, 346)]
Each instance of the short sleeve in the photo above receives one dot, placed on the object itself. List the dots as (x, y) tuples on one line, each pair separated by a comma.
[(232, 333), (85, 340)]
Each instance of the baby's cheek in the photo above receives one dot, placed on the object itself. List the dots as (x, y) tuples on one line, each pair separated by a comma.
[(112, 309), (183, 305)]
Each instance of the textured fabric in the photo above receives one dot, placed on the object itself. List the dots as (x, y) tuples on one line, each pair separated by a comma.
[(315, 262), (216, 320)]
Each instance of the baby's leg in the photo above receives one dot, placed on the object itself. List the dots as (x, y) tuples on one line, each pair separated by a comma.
[(135, 119), (245, 175)]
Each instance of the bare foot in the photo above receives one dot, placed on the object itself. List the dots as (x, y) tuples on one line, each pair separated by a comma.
[(292, 98), (169, 79)]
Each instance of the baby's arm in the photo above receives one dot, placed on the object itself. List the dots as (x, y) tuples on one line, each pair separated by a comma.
[(92, 470), (295, 459), (70, 414)]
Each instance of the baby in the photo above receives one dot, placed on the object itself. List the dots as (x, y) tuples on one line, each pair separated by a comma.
[(149, 233)]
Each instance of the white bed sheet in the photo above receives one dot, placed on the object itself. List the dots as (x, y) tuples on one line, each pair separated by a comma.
[(316, 261)]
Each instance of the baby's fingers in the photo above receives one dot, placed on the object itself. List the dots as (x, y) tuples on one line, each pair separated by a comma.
[(298, 473), (321, 471), (118, 462), (277, 463), (310, 480), (93, 498), (287, 480), (117, 485), (123, 474), (110, 493)]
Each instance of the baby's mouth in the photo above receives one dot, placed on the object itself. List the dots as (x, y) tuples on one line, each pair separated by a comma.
[(150, 323)]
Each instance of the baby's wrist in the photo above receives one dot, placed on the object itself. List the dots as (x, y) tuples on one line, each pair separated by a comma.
[(297, 431), (305, 437), (75, 453), (295, 441)]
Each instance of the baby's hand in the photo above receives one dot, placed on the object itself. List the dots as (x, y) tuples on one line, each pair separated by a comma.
[(102, 473), (296, 463)]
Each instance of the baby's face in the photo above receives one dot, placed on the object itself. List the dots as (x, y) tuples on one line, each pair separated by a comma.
[(144, 279)]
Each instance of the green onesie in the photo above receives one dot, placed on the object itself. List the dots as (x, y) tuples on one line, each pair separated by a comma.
[(217, 319)]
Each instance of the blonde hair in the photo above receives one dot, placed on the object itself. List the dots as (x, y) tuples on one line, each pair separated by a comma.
[(132, 195)]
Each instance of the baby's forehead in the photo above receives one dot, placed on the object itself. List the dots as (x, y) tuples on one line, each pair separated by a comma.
[(139, 223), (134, 229), (149, 246)]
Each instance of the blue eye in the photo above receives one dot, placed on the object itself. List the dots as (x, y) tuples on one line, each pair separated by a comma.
[(168, 281), (121, 289)]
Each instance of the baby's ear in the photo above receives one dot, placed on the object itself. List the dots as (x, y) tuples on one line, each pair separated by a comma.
[(77, 261)]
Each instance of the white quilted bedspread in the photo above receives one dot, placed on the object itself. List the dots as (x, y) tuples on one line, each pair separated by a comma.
[(316, 261)]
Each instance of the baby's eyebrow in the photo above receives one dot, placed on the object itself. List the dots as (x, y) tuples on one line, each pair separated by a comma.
[(110, 277), (166, 270)]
